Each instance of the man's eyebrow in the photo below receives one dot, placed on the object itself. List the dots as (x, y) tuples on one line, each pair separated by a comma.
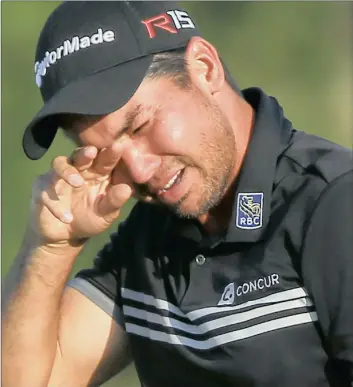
[(128, 121)]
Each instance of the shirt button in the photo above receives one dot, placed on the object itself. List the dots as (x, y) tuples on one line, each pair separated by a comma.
[(200, 259)]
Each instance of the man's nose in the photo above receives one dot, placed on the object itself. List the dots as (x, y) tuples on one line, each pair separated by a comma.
[(141, 165)]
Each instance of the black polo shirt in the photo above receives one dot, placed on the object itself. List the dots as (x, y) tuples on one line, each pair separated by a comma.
[(270, 302)]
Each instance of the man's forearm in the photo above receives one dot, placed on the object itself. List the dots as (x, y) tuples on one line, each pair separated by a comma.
[(31, 309)]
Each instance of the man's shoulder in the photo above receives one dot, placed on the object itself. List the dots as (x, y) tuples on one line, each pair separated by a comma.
[(318, 157), (307, 169)]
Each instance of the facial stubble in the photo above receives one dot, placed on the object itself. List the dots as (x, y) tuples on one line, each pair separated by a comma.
[(218, 155)]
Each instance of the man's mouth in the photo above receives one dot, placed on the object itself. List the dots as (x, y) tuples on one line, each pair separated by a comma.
[(172, 182)]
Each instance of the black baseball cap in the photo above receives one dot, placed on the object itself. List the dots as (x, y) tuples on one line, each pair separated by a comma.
[(92, 56)]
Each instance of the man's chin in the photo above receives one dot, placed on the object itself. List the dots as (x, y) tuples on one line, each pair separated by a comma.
[(186, 210), (182, 208)]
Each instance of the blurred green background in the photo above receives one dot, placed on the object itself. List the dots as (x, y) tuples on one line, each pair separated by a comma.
[(299, 52)]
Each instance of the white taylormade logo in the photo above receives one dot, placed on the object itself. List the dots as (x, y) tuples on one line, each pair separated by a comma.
[(69, 46), (230, 291)]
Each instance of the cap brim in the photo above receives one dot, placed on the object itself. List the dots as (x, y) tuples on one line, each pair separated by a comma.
[(97, 94)]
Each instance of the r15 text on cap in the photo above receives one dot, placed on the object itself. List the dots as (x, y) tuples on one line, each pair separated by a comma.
[(171, 21)]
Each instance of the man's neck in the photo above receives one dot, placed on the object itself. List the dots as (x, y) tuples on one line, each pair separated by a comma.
[(217, 219)]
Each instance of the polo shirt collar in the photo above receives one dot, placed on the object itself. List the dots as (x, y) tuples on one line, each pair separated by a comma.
[(270, 136)]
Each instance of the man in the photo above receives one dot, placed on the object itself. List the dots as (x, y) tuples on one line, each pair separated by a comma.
[(235, 266)]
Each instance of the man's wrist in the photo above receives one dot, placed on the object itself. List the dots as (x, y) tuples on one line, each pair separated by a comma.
[(34, 243)]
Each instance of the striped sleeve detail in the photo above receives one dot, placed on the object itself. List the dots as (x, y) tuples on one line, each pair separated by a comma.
[(86, 288)]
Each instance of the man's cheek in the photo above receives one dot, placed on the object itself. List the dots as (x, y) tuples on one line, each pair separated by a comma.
[(170, 133)]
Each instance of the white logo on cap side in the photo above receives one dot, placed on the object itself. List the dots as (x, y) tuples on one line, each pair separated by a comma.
[(68, 47)]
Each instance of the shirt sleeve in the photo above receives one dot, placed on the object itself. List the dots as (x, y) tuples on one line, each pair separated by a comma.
[(101, 282), (327, 267)]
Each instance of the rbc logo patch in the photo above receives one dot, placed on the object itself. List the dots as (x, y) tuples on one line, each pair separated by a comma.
[(249, 210)]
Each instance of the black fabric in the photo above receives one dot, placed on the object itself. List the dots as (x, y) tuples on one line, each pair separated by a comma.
[(327, 257), (266, 307)]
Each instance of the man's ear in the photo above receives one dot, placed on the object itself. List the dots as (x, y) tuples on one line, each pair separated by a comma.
[(204, 65)]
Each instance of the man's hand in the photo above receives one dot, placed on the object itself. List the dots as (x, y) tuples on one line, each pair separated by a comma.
[(71, 203), (76, 199)]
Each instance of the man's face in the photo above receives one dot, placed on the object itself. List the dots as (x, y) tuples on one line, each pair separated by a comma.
[(179, 151)]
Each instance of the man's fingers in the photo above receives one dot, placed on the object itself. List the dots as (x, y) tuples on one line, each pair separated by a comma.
[(82, 158), (62, 169), (110, 204), (50, 200), (107, 159)]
